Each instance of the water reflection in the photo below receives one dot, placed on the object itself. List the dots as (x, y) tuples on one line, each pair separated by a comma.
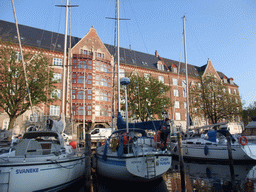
[(200, 176)]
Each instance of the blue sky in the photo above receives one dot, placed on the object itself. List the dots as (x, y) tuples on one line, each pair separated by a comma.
[(224, 30)]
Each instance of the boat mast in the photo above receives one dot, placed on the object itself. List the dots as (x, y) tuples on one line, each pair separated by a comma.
[(63, 115), (185, 55), (64, 71), (118, 57), (22, 60)]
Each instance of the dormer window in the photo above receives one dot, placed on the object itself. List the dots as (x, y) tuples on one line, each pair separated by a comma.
[(174, 68), (160, 67), (225, 79), (231, 80), (144, 63)]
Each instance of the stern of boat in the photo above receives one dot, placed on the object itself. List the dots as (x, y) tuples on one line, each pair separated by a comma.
[(149, 166)]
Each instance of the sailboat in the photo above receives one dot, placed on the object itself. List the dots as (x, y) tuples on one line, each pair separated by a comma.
[(213, 145), (41, 161), (129, 154)]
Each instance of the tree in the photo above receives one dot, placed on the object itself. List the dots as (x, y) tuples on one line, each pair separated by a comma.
[(210, 99), (146, 94), (249, 112), (14, 99)]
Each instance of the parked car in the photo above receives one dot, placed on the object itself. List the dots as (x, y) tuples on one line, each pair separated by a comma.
[(100, 133)]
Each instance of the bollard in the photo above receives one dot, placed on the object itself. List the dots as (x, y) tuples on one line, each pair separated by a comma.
[(231, 166), (182, 171), (88, 161)]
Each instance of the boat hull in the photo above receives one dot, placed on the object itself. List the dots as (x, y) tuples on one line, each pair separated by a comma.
[(213, 152), (40, 176), (133, 168)]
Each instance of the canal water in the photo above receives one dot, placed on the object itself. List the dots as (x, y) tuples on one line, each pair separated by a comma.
[(200, 177)]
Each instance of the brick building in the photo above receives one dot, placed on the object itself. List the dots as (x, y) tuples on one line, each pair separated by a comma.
[(90, 76)]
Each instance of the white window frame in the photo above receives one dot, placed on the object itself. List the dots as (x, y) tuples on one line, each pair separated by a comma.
[(56, 92), (57, 61), (146, 76), (33, 118), (176, 92), (177, 116), (121, 73), (6, 124), (174, 81), (176, 104), (57, 77), (54, 110), (161, 79)]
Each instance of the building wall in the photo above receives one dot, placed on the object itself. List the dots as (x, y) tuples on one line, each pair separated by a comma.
[(91, 51)]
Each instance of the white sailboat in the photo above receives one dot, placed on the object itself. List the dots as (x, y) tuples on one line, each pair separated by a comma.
[(129, 154), (41, 161), (213, 145)]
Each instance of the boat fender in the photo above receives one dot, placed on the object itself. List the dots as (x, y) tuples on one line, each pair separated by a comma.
[(208, 173), (94, 161), (157, 136), (120, 151), (206, 150), (243, 140), (73, 144), (175, 149)]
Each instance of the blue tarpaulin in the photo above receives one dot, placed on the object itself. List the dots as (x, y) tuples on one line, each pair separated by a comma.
[(121, 124)]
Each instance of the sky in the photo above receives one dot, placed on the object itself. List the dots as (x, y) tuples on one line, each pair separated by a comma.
[(223, 31)]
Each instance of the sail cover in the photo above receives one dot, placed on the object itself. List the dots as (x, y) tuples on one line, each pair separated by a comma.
[(148, 125)]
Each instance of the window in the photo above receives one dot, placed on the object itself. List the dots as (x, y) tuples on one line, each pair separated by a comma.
[(175, 81), (177, 104), (234, 91), (229, 90), (80, 111), (160, 67), (103, 82), (17, 56), (82, 65), (103, 97), (56, 93), (184, 93), (146, 76), (184, 83), (177, 116), (185, 105), (81, 95), (161, 79), (122, 73), (57, 62), (6, 124), (176, 93), (54, 110), (81, 79), (57, 77), (33, 118)]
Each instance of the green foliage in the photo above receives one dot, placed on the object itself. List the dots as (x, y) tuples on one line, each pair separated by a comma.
[(248, 113), (147, 94), (14, 98), (212, 100)]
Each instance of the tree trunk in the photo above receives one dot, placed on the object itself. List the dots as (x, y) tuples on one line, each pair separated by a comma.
[(12, 121)]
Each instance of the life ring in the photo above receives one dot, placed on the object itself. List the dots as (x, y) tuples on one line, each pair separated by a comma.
[(243, 140)]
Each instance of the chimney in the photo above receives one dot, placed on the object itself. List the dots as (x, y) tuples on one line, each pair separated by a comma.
[(156, 53)]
